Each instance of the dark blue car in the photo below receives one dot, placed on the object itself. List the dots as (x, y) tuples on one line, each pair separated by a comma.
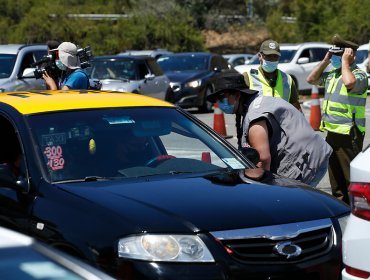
[(192, 77), (142, 189)]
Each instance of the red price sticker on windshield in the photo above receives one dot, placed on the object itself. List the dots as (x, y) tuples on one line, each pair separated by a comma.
[(54, 154)]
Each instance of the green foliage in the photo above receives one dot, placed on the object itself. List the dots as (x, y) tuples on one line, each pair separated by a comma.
[(319, 20)]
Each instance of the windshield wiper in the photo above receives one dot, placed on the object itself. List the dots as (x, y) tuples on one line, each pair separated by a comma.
[(86, 179)]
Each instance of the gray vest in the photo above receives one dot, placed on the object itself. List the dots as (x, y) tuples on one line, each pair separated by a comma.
[(297, 151)]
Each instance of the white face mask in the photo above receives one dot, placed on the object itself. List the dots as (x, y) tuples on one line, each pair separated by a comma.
[(60, 65)]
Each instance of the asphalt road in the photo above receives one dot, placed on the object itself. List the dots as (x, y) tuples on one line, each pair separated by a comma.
[(230, 130)]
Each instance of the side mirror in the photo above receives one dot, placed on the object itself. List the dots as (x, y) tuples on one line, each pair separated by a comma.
[(251, 154), (28, 73), (149, 76), (8, 180), (303, 60)]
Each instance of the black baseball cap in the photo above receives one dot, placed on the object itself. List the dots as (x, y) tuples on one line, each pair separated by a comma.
[(234, 81)]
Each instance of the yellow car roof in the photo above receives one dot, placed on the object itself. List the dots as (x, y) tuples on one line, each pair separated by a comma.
[(30, 102)]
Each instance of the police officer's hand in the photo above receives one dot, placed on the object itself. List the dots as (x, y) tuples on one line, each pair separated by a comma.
[(348, 56), (327, 57)]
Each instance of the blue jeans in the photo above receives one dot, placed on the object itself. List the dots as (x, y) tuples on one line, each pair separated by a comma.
[(319, 174)]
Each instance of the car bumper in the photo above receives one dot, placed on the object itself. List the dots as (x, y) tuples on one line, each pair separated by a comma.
[(356, 246)]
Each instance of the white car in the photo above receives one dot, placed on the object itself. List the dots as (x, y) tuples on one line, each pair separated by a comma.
[(238, 58), (356, 238), (362, 59), (298, 60)]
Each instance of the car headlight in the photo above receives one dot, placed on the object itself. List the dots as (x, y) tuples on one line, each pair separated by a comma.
[(194, 84), (343, 222), (168, 248)]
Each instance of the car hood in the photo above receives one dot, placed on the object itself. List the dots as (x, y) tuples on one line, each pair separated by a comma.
[(206, 203), (185, 76)]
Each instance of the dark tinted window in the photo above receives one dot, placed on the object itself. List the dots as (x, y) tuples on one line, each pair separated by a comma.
[(7, 62), (187, 62), (142, 69), (219, 62), (154, 67), (317, 54), (116, 69)]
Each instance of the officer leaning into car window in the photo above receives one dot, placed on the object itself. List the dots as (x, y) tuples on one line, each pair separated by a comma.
[(67, 60), (343, 110), (285, 141), (268, 79)]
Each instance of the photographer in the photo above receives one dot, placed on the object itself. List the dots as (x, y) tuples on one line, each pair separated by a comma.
[(67, 60)]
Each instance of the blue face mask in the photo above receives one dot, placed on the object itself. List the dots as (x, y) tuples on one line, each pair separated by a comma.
[(225, 106), (336, 61), (60, 65), (269, 66)]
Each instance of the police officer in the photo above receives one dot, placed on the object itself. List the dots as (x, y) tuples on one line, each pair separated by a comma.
[(343, 111), (268, 79), (281, 134)]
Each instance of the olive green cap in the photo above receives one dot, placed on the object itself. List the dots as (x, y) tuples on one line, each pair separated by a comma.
[(270, 47), (339, 42)]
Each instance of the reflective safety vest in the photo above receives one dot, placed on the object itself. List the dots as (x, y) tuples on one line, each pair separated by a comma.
[(341, 108), (283, 87)]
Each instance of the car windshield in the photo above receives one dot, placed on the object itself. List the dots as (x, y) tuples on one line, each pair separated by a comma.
[(116, 69), (189, 62), (126, 143), (361, 55), (7, 62)]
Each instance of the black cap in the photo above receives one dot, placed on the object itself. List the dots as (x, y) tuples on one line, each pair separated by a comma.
[(339, 42), (234, 81)]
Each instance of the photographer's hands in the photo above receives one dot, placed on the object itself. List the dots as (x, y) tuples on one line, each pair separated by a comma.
[(49, 81)]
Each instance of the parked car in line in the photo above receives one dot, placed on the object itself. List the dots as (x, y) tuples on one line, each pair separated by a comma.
[(14, 60), (362, 59), (144, 190), (157, 53), (136, 74), (192, 76), (237, 58), (21, 258), (356, 239), (298, 60)]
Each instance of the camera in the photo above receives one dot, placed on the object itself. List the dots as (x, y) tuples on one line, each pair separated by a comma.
[(84, 54), (47, 64)]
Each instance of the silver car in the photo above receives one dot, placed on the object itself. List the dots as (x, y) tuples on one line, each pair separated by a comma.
[(298, 60), (15, 63), (137, 74)]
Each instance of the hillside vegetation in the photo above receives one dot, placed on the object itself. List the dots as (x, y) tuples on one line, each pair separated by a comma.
[(224, 26)]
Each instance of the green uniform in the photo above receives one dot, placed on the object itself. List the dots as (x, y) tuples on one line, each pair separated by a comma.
[(343, 117)]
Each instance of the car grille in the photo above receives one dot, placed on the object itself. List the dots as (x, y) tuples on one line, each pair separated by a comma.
[(258, 245)]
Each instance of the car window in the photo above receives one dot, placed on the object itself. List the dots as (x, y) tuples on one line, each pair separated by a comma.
[(124, 143), (117, 69), (7, 62), (238, 61), (361, 55), (219, 62), (190, 62), (40, 54), (27, 61), (142, 69), (286, 55), (317, 54), (154, 67)]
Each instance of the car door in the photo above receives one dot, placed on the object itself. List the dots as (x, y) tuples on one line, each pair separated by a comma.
[(27, 59), (14, 204), (154, 83)]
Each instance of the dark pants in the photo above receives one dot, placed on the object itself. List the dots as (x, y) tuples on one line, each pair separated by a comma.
[(345, 148)]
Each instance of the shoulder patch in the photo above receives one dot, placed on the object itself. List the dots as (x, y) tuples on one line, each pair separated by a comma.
[(254, 71), (257, 102)]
